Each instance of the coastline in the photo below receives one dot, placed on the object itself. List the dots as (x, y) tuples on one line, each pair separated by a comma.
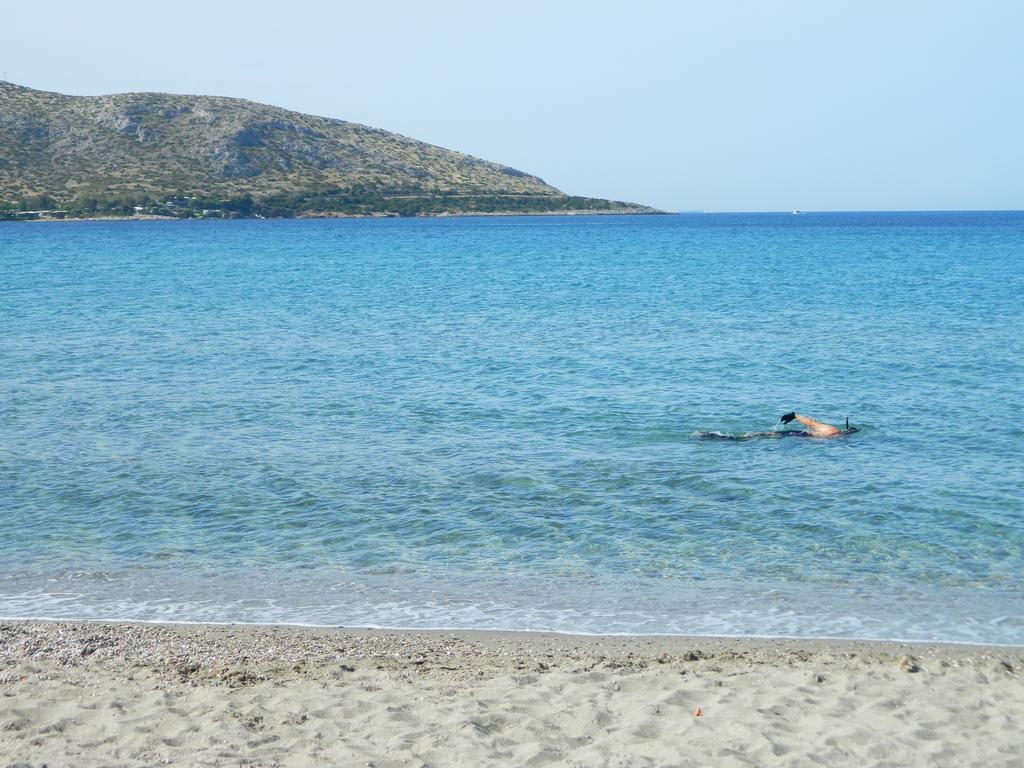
[(285, 695), (147, 217)]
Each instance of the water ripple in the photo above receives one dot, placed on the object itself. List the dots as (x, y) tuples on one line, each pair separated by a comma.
[(491, 422)]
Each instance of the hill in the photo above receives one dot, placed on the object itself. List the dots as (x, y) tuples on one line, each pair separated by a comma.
[(179, 155)]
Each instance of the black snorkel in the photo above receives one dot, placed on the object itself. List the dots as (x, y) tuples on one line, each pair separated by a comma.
[(850, 430)]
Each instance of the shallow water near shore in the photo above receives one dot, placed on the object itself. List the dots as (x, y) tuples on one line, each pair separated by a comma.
[(491, 423)]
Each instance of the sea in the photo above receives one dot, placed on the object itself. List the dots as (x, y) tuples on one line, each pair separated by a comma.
[(500, 423)]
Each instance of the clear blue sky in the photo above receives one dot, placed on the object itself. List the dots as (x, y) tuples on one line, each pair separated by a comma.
[(718, 106)]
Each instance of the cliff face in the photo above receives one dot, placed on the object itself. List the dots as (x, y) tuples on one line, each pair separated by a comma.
[(69, 147)]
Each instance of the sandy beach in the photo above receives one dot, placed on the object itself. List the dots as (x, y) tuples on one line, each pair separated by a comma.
[(83, 694)]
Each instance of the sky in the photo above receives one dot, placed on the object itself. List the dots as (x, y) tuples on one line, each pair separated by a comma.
[(717, 106)]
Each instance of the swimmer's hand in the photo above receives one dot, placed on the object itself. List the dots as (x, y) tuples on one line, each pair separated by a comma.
[(788, 417)]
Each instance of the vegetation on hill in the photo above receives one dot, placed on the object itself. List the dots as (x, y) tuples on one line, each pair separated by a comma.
[(184, 156)]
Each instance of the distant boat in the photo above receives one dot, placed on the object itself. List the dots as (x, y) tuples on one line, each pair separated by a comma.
[(796, 212)]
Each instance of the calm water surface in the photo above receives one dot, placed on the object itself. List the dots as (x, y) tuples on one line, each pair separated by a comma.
[(491, 423)]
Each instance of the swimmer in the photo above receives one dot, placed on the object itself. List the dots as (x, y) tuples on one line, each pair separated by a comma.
[(813, 428)]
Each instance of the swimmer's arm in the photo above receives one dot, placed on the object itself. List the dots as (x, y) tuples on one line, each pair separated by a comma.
[(816, 427), (807, 421)]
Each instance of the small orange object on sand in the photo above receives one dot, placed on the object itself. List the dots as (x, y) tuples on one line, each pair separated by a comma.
[(698, 712)]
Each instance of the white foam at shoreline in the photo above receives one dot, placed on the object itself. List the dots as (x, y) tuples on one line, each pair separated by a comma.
[(770, 615)]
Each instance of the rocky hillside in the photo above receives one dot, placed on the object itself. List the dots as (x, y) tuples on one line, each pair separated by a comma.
[(101, 151)]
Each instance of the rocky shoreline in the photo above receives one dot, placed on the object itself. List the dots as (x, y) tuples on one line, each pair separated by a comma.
[(149, 217)]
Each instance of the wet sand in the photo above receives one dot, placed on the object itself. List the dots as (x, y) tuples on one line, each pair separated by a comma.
[(85, 694)]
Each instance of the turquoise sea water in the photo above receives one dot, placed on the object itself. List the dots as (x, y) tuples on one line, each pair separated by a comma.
[(491, 423)]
